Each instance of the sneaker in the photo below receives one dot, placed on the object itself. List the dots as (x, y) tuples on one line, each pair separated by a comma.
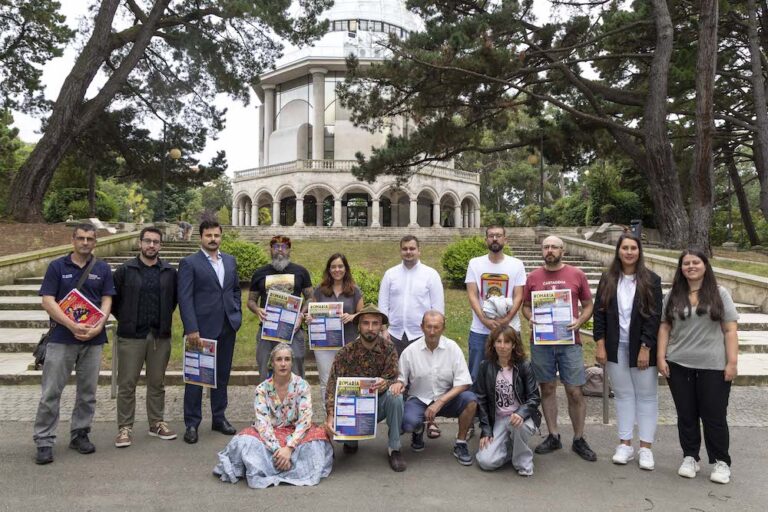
[(161, 430), (417, 441), (44, 455), (461, 452), (525, 472), (624, 453), (583, 450), (688, 468), (124, 437), (550, 444), (721, 473), (645, 459), (81, 443)]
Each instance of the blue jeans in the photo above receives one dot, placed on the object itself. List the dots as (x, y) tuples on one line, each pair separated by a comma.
[(566, 360), (476, 352), (413, 418)]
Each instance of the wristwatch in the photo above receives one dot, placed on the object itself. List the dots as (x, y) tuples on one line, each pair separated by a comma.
[(643, 345)]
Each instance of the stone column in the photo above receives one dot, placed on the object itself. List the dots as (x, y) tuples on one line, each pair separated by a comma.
[(318, 116), (413, 221), (477, 218), (254, 214), (436, 215), (319, 214), (275, 212), (269, 118), (375, 214), (246, 216), (337, 212), (299, 212), (457, 218), (235, 215), (465, 217)]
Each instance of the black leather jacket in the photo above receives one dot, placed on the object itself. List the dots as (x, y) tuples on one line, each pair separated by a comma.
[(125, 305), (526, 392)]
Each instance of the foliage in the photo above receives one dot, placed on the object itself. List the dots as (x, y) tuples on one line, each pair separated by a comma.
[(223, 215), (249, 256), (369, 283), (265, 216), (74, 201), (217, 194), (569, 211), (457, 255)]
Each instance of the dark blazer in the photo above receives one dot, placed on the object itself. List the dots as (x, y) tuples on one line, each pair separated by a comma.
[(203, 302), (125, 305), (526, 392), (641, 330)]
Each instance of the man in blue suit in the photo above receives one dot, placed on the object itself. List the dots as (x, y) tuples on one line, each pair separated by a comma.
[(210, 307)]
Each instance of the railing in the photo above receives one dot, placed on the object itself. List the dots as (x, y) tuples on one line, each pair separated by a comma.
[(346, 165)]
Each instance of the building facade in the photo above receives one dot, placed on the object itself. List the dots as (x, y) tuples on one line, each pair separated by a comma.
[(307, 143)]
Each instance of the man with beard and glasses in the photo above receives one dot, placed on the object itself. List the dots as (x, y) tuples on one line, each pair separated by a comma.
[(285, 276), (143, 306), (495, 283), (567, 360), (210, 306), (370, 355)]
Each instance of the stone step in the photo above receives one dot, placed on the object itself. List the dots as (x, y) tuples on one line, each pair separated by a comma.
[(24, 319), (753, 322), (16, 303), (20, 340), (18, 290), (755, 342), (37, 280)]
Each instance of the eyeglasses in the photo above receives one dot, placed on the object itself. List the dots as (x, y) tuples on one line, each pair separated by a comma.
[(545, 247), (495, 236), (150, 241), (280, 246), (86, 239)]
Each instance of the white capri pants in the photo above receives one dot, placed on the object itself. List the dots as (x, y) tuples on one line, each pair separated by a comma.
[(637, 399)]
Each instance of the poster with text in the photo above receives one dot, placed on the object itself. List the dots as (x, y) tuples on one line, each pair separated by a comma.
[(356, 409), (282, 316), (552, 313), (326, 330), (79, 309), (200, 362)]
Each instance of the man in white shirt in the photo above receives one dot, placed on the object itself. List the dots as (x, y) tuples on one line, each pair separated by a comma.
[(407, 291), (438, 381), (494, 279)]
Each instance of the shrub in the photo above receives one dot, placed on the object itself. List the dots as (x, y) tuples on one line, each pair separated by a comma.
[(249, 256), (74, 201), (569, 211), (457, 255), (223, 216)]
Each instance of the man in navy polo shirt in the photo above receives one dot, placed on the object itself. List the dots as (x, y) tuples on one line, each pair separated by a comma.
[(72, 345)]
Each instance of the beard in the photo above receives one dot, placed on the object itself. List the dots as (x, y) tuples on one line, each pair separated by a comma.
[(369, 336), (150, 256), (552, 260), (279, 262), (495, 247)]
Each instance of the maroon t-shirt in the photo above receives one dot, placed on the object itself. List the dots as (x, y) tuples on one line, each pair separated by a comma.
[(568, 277)]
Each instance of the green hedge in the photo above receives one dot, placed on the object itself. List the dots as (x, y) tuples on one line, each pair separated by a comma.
[(457, 255), (74, 201), (249, 256)]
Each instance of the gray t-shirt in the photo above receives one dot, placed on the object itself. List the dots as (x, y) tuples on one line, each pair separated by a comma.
[(697, 341)]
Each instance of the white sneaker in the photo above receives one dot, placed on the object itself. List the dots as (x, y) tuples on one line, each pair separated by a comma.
[(645, 459), (623, 454), (688, 468), (525, 472), (721, 473)]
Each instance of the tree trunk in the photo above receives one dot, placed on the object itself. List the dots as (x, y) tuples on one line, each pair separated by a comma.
[(741, 196), (71, 113), (760, 144), (703, 171)]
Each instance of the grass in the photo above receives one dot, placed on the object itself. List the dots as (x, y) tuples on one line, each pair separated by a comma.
[(738, 261), (375, 257)]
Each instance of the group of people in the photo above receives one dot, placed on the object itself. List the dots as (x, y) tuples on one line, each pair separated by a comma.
[(419, 374)]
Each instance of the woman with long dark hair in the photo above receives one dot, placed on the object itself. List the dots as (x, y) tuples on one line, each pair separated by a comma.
[(698, 350), (507, 403), (626, 320), (337, 285)]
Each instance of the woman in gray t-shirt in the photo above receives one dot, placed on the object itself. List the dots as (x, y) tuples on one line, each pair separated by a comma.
[(697, 352)]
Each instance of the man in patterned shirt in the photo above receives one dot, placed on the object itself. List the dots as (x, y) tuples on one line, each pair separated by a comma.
[(370, 355)]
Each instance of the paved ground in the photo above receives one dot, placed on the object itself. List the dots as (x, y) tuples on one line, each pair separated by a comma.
[(172, 476)]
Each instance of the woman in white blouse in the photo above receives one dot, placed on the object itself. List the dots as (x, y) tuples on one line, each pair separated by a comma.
[(627, 316)]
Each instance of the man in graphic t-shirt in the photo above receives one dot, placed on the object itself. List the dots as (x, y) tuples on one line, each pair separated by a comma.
[(495, 284), (285, 276), (566, 360)]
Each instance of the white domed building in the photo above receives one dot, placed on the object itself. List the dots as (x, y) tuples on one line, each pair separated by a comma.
[(306, 153)]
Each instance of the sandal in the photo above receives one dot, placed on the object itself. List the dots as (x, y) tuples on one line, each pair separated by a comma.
[(433, 431)]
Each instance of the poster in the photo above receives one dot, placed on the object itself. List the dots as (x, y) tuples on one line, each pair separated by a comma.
[(200, 362), (326, 330), (552, 313), (355, 409), (282, 315), (79, 309)]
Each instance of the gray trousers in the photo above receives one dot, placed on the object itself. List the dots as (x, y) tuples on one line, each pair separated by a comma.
[(263, 349), (60, 360), (509, 444), (132, 354)]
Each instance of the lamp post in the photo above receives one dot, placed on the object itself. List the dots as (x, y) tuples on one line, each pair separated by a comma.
[(174, 154)]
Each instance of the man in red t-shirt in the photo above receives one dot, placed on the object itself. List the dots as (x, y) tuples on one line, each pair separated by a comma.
[(567, 360)]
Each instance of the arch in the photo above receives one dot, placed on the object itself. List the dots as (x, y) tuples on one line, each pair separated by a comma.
[(317, 187), (429, 190), (284, 191), (449, 216), (354, 187), (450, 194)]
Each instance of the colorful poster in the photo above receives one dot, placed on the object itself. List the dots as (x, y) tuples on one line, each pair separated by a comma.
[(79, 309), (494, 285), (326, 330), (282, 316), (552, 313), (356, 409), (200, 362)]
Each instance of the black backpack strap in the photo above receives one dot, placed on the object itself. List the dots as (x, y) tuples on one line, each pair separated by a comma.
[(86, 272)]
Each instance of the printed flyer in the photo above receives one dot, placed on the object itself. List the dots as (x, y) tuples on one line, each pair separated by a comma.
[(79, 309), (552, 313), (200, 362), (326, 331), (282, 314), (356, 409)]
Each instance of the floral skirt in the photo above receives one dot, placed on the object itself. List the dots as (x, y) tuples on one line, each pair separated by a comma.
[(247, 456)]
